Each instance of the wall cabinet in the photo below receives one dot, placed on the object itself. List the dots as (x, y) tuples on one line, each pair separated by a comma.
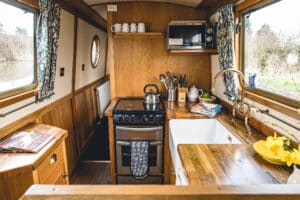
[(18, 171)]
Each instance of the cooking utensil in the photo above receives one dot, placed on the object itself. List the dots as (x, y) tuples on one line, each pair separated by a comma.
[(151, 97), (172, 94), (162, 78), (182, 80)]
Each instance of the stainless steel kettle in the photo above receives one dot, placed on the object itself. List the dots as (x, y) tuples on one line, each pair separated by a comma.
[(151, 97)]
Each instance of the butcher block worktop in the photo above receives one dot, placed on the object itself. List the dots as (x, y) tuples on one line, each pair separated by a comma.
[(228, 164)]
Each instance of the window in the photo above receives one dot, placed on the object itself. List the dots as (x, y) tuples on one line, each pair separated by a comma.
[(271, 51), (95, 51), (17, 49)]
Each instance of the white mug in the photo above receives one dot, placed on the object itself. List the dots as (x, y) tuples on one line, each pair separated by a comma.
[(133, 27), (141, 27), (116, 27), (125, 27)]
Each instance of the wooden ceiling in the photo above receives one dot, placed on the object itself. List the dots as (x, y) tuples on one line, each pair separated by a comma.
[(210, 6), (191, 3)]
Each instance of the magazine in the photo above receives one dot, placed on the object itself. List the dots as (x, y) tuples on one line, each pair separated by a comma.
[(208, 109), (30, 142)]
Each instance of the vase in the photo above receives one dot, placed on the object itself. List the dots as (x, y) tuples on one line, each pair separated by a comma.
[(294, 178)]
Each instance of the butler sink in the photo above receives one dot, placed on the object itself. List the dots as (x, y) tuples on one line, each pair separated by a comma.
[(195, 131)]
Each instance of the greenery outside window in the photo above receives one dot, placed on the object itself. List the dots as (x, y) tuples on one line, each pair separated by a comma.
[(271, 51), (18, 71)]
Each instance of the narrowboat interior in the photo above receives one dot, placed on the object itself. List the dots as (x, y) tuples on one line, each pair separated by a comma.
[(152, 99)]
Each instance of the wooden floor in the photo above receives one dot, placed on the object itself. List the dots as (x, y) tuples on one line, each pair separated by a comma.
[(91, 173)]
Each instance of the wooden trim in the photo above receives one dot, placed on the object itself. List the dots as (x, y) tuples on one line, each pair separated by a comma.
[(118, 2), (81, 9), (252, 4), (287, 110), (167, 155), (164, 192), (96, 82), (112, 150), (14, 99), (255, 123), (32, 3), (204, 51), (66, 164), (110, 55), (74, 52), (136, 34), (74, 113), (32, 116)]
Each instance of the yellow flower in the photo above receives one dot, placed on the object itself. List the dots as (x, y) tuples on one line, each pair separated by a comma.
[(296, 156), (275, 148), (287, 157)]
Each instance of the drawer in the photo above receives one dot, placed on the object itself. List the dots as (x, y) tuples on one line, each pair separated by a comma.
[(52, 167)]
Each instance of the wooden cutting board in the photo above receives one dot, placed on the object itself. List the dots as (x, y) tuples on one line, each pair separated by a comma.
[(232, 164)]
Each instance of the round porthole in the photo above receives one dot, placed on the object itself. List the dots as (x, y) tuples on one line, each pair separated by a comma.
[(95, 51)]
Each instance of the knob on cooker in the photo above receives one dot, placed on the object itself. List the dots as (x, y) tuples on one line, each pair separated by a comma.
[(132, 118), (126, 118), (145, 118), (120, 118)]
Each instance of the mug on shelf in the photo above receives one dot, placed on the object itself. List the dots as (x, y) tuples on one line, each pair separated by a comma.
[(116, 27), (141, 27), (133, 27), (125, 27)]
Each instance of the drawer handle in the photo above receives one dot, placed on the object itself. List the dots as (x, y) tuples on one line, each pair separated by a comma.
[(53, 159)]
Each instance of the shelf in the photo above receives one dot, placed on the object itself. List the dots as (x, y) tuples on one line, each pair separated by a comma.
[(207, 51), (145, 34)]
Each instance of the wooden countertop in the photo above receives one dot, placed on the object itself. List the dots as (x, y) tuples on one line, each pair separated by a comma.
[(175, 110), (163, 192), (228, 164), (12, 161), (109, 110)]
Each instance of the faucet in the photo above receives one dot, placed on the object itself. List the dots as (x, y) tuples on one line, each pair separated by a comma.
[(238, 103)]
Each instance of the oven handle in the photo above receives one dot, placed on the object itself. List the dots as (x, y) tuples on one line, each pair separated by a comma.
[(128, 143), (139, 129)]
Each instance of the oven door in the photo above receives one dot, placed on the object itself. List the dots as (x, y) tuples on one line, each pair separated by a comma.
[(123, 150)]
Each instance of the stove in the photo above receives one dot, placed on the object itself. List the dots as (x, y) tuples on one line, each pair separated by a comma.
[(133, 111), (137, 122)]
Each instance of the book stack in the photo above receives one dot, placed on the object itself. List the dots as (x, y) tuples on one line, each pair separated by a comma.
[(25, 142), (208, 109)]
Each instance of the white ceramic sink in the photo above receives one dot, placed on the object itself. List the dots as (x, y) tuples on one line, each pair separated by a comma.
[(195, 131)]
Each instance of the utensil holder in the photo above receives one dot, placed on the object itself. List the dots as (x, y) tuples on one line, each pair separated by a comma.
[(182, 94), (171, 93)]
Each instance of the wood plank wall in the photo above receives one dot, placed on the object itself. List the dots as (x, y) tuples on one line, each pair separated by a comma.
[(61, 116), (85, 105), (140, 60), (60, 113)]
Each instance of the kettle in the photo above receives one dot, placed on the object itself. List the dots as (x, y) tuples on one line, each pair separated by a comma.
[(193, 93), (151, 97)]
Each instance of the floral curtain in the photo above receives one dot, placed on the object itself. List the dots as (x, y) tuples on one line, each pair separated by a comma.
[(47, 39), (225, 45)]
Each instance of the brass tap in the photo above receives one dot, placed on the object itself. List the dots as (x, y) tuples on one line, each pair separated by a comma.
[(240, 107)]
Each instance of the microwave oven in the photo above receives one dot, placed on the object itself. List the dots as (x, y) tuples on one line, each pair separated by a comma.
[(190, 35)]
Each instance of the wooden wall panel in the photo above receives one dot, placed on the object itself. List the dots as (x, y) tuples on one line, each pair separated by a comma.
[(85, 114), (61, 116), (138, 61)]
